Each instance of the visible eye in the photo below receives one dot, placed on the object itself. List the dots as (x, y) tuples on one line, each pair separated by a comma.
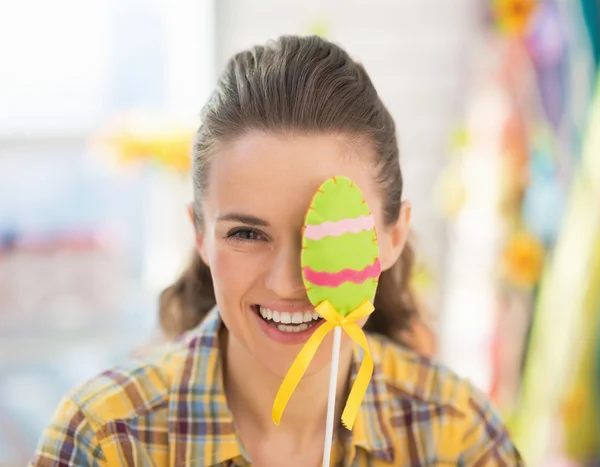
[(245, 234)]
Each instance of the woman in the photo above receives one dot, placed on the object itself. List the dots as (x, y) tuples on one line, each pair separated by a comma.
[(283, 118)]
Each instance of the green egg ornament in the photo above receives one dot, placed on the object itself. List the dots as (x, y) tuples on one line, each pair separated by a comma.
[(340, 253), (340, 269)]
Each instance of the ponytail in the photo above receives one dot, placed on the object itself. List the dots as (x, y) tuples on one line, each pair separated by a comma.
[(395, 302), (184, 304)]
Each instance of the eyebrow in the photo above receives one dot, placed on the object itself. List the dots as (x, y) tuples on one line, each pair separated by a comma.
[(242, 218)]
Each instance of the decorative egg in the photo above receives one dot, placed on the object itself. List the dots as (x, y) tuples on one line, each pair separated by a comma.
[(340, 252)]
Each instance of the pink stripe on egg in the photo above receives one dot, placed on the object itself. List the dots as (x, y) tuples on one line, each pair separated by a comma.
[(335, 229), (335, 279)]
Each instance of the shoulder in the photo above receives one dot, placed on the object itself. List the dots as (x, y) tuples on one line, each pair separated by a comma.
[(409, 375), (145, 385), (133, 404), (427, 397), (136, 388), (132, 395)]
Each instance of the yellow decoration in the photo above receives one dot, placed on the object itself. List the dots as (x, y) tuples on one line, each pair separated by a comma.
[(171, 150), (302, 361), (319, 28), (580, 407), (140, 138), (450, 192), (523, 260), (422, 277), (513, 16), (459, 139)]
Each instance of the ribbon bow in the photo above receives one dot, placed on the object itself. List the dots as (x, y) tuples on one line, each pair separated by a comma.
[(298, 368)]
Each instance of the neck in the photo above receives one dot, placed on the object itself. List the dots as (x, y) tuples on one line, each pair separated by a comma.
[(251, 390)]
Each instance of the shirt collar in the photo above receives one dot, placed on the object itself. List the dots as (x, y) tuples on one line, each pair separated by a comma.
[(200, 415)]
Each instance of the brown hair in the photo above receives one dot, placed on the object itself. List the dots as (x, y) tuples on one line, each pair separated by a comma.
[(301, 85)]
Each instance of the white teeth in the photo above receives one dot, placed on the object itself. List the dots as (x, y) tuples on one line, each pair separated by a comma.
[(297, 317), (293, 329), (286, 318)]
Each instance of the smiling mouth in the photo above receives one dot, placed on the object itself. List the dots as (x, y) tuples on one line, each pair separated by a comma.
[(284, 321)]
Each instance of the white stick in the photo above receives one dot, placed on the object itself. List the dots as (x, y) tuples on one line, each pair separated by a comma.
[(335, 360)]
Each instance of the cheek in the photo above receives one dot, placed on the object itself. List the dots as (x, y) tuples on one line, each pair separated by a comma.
[(222, 266), (235, 276), (234, 272)]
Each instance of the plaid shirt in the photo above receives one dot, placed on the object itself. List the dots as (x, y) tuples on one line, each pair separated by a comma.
[(171, 410)]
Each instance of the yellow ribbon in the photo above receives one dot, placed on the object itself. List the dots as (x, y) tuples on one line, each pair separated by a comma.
[(298, 368)]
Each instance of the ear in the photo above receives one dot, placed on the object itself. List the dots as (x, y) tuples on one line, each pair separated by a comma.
[(393, 241), (191, 217), (198, 235)]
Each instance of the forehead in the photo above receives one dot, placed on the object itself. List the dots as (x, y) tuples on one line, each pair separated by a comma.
[(277, 175)]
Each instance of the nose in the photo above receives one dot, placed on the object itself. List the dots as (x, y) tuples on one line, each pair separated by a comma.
[(285, 275)]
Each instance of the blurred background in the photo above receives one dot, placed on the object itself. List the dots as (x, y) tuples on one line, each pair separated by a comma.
[(497, 107)]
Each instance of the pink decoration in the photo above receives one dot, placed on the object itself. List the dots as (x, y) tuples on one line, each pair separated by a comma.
[(335, 229), (335, 279)]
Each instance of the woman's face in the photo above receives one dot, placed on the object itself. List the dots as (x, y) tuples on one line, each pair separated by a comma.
[(259, 189)]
